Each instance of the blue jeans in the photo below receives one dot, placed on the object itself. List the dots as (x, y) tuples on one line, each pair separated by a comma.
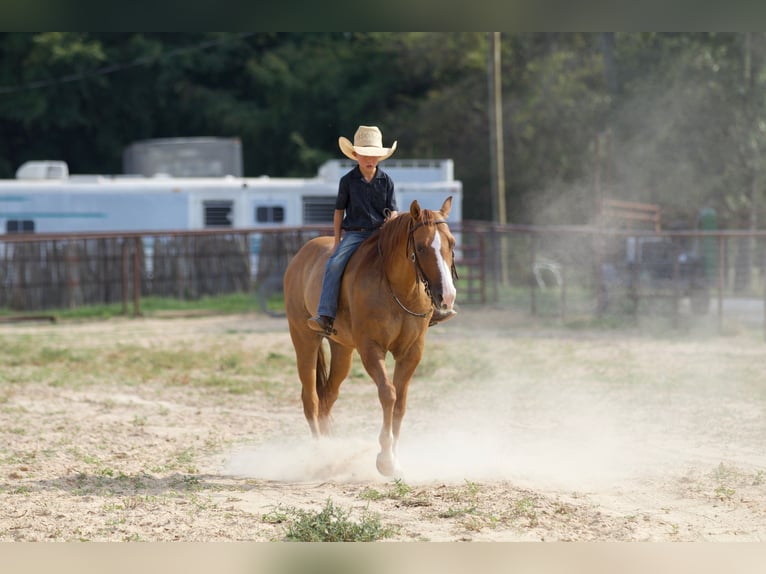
[(333, 273)]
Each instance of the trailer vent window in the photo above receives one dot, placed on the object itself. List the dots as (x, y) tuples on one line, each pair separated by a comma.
[(269, 214), (218, 213), (19, 226), (318, 209)]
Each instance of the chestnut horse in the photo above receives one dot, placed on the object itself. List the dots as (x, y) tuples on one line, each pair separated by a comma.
[(390, 288)]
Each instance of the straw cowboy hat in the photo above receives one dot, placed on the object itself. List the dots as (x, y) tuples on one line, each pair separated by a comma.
[(368, 141)]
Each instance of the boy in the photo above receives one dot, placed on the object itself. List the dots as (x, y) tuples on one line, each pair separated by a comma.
[(365, 200)]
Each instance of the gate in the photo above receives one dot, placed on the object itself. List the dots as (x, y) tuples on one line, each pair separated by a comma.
[(469, 261)]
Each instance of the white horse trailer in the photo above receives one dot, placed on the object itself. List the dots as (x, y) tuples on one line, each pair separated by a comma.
[(45, 198)]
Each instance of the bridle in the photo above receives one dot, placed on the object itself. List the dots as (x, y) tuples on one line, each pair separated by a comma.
[(420, 275)]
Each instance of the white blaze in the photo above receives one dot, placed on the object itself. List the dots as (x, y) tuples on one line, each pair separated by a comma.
[(448, 287)]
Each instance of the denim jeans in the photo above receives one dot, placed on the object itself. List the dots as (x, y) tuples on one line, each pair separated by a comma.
[(333, 273)]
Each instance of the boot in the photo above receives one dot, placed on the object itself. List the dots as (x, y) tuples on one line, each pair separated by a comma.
[(441, 315), (321, 324)]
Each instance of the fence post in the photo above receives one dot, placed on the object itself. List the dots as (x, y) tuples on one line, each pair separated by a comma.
[(482, 271), (763, 278), (531, 271), (494, 242), (124, 276), (598, 241), (721, 276), (634, 288), (676, 286), (563, 301), (136, 277)]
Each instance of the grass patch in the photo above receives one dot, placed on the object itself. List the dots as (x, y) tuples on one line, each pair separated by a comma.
[(151, 306), (331, 524), (228, 365), (525, 508), (468, 498), (397, 490)]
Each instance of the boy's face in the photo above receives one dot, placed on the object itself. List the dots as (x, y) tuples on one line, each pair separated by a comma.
[(366, 162)]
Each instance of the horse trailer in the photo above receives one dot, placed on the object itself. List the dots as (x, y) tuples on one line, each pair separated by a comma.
[(46, 198)]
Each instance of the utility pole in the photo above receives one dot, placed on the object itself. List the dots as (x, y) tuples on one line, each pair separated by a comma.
[(497, 165), (744, 263), (496, 131)]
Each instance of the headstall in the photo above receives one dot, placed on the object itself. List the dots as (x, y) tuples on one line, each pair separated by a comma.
[(419, 273)]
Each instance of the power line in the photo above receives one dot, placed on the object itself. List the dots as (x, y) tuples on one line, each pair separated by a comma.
[(113, 68)]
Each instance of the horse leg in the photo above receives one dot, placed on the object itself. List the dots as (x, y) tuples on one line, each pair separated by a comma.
[(373, 359), (340, 366), (403, 372), (307, 354)]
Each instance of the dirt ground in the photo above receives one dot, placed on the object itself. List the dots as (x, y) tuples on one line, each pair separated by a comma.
[(513, 433)]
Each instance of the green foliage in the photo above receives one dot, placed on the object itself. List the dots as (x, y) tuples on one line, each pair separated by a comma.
[(676, 119), (331, 524), (162, 306), (400, 488), (229, 366)]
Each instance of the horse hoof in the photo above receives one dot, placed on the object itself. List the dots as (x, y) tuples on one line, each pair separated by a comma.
[(387, 467)]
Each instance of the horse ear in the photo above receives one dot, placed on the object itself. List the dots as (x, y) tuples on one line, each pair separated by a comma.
[(415, 210), (446, 207)]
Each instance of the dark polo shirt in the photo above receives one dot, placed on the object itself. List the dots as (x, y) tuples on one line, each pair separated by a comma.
[(365, 203)]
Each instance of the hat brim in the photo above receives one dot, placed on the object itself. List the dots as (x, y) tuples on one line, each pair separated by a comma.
[(348, 150)]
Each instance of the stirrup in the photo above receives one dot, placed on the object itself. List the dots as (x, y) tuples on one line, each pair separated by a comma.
[(322, 325)]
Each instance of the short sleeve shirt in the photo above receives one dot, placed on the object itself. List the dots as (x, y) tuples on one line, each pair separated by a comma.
[(365, 203)]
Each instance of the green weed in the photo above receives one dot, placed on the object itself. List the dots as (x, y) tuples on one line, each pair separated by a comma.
[(525, 508), (331, 524), (399, 489), (371, 494)]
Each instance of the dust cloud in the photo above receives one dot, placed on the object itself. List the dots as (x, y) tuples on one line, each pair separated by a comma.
[(301, 458), (542, 435)]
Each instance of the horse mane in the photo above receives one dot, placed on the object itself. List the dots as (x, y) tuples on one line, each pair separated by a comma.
[(395, 232)]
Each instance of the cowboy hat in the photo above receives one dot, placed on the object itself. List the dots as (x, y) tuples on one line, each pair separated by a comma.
[(368, 141)]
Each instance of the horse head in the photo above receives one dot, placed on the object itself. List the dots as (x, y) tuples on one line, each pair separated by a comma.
[(431, 247)]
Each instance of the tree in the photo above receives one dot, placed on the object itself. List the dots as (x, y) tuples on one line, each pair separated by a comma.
[(684, 112)]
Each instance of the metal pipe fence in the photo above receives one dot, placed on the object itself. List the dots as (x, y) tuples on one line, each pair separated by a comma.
[(53, 271), (685, 278), (707, 279)]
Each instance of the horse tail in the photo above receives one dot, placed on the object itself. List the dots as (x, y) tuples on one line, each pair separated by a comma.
[(322, 374)]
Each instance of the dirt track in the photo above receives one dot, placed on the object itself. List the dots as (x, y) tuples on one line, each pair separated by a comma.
[(191, 429)]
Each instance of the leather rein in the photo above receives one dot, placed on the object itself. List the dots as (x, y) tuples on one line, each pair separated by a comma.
[(420, 276)]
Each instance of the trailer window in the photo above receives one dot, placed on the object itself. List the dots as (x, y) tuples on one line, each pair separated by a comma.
[(19, 226), (269, 214), (318, 209), (218, 213)]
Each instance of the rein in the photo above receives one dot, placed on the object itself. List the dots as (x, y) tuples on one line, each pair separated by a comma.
[(420, 276)]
